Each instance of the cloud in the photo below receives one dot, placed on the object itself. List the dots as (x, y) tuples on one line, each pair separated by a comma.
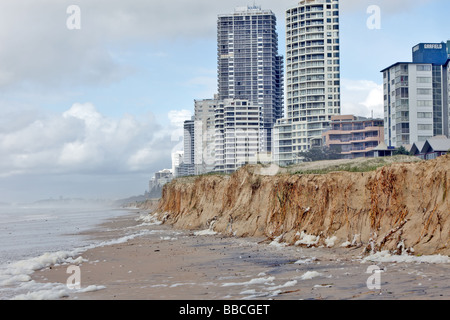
[(39, 50), (361, 98), (386, 6), (81, 152), (83, 141), (179, 19), (177, 117)]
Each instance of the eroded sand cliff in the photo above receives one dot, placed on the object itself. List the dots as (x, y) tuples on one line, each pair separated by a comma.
[(401, 207)]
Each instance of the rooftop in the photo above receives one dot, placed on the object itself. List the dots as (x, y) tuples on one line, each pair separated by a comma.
[(247, 10)]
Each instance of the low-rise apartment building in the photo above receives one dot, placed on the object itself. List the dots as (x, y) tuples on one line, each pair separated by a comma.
[(354, 137)]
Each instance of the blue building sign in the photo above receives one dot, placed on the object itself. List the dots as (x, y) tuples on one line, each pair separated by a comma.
[(434, 53)]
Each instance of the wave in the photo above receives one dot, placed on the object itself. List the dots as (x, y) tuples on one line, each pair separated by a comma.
[(16, 281)]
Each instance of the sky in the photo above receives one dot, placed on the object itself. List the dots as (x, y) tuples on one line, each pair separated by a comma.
[(92, 102)]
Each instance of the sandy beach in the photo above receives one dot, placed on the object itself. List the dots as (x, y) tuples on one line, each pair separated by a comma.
[(163, 263)]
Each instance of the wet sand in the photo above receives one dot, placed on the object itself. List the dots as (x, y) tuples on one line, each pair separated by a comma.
[(169, 264)]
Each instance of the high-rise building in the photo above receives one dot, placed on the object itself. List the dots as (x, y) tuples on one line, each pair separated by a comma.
[(238, 125), (189, 141), (249, 66), (187, 166), (416, 96), (204, 133), (177, 160), (312, 78)]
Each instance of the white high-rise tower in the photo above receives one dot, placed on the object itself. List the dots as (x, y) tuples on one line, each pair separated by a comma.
[(312, 78)]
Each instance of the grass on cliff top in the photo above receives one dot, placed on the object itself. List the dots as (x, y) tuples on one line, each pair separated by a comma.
[(352, 165), (192, 178), (322, 167)]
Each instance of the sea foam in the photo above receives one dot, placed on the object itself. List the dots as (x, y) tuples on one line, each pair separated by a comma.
[(16, 281)]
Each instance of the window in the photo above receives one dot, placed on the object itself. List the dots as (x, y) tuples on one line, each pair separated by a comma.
[(424, 103), (402, 92), (421, 67), (423, 79), (424, 115), (423, 138), (422, 91), (424, 127)]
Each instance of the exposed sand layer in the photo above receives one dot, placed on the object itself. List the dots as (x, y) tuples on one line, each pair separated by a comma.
[(169, 264), (401, 207)]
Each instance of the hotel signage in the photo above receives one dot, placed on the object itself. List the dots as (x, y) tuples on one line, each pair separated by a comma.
[(432, 46)]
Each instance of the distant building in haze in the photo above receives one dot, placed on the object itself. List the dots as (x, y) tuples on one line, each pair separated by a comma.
[(158, 181)]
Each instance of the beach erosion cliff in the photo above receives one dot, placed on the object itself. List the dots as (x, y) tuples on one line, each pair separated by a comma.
[(401, 207)]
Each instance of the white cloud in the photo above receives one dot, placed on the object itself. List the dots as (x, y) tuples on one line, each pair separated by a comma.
[(39, 49), (78, 153), (361, 98), (81, 152), (177, 117), (81, 140), (85, 112), (140, 159), (386, 6)]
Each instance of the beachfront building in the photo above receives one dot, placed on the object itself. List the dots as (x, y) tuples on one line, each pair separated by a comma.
[(189, 127), (177, 160), (187, 166), (431, 148), (238, 128), (159, 179), (204, 132), (312, 78), (249, 66), (416, 96), (282, 143), (354, 137)]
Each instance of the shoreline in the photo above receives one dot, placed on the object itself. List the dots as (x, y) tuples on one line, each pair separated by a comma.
[(169, 264)]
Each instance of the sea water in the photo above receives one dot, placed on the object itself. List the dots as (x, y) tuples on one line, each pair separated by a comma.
[(36, 236)]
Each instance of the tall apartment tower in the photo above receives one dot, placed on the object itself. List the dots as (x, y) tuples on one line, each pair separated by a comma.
[(312, 78), (416, 96), (204, 135), (249, 66)]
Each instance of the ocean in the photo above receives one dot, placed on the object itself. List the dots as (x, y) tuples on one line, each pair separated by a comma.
[(33, 237)]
